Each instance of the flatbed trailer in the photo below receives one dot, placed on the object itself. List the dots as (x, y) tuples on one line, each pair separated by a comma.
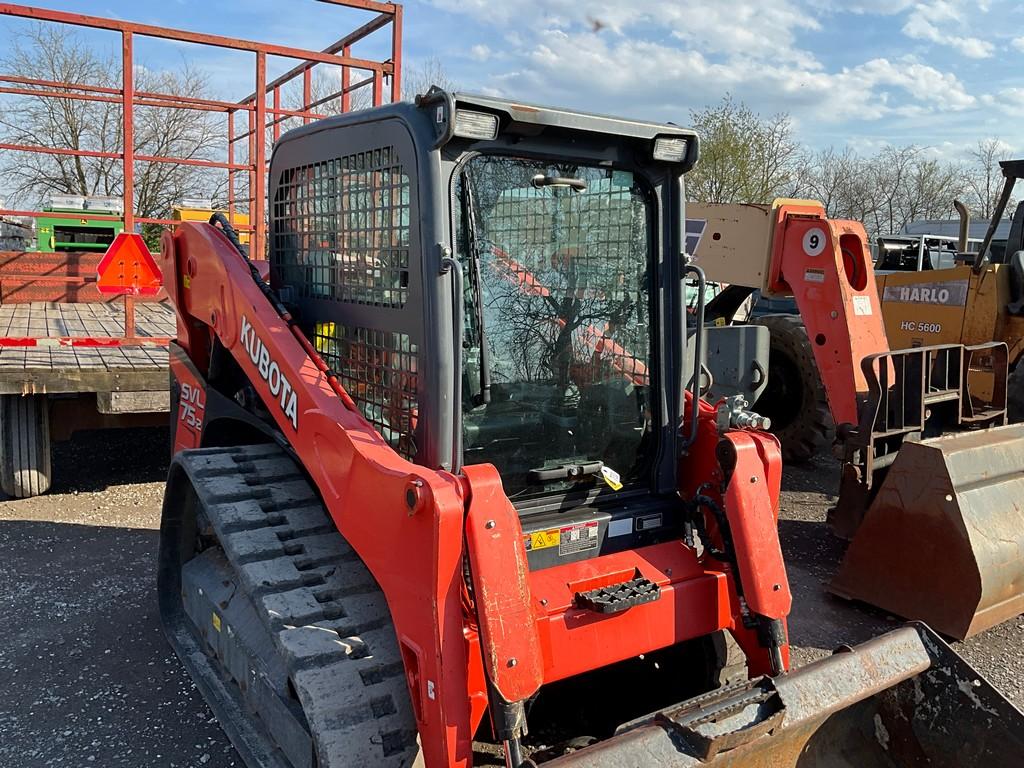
[(66, 367), (66, 362)]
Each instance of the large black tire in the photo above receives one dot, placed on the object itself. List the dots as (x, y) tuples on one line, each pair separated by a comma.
[(25, 468), (794, 398), (1015, 394)]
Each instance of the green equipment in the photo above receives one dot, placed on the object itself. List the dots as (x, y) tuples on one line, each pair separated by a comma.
[(83, 232)]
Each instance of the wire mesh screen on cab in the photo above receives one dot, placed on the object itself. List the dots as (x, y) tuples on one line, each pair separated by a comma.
[(378, 369), (341, 229), (341, 233)]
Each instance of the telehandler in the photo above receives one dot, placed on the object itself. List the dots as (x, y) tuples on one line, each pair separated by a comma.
[(933, 290), (444, 490), (932, 478), (966, 297)]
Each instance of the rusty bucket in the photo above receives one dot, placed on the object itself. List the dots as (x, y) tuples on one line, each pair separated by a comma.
[(901, 700), (943, 540)]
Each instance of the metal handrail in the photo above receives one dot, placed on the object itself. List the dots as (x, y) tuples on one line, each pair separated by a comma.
[(254, 105)]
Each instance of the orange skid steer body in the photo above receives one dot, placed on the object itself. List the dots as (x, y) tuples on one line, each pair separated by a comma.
[(347, 586), (936, 523)]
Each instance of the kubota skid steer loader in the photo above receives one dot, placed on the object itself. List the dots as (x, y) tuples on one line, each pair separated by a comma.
[(932, 487), (445, 466)]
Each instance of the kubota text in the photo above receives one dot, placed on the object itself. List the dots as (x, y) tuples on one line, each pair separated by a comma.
[(281, 389)]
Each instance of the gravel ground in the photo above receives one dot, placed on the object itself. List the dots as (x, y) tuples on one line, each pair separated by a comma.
[(820, 622), (89, 680)]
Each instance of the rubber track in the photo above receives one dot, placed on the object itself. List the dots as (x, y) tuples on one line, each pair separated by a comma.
[(327, 615)]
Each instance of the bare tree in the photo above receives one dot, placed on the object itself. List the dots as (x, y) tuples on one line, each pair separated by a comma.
[(929, 191), (837, 179), (750, 159), (984, 180), (58, 55), (887, 174), (884, 191), (744, 157), (325, 88), (421, 75)]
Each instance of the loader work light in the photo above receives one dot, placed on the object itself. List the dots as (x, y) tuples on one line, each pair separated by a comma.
[(475, 125), (670, 149)]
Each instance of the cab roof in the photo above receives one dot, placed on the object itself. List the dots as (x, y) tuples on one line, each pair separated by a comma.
[(515, 118)]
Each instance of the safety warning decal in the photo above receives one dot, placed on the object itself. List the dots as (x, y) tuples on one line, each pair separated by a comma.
[(578, 538), (862, 305), (541, 539), (814, 275)]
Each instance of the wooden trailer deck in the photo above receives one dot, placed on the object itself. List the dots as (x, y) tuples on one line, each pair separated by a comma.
[(41, 350)]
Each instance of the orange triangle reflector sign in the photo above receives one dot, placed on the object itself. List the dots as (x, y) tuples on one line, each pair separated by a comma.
[(128, 267)]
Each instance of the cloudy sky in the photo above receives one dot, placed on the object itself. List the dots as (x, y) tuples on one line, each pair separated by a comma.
[(941, 73)]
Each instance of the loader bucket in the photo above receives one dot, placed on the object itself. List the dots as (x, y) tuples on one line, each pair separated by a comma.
[(903, 699), (943, 540)]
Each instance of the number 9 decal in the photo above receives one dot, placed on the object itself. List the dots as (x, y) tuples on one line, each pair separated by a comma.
[(814, 241)]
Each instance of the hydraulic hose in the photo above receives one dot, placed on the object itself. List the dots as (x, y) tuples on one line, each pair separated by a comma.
[(220, 221)]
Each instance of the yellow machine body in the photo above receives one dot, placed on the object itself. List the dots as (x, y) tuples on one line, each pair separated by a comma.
[(951, 306), (239, 221)]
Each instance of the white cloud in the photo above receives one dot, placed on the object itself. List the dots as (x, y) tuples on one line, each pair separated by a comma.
[(1018, 43), (740, 27), (1010, 101), (480, 52), (960, 151), (912, 81), (660, 60), (863, 145), (942, 22), (879, 7), (664, 79)]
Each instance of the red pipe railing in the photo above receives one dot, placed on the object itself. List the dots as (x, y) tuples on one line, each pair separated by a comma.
[(261, 117)]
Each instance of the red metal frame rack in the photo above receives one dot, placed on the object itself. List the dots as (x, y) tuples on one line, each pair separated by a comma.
[(255, 105)]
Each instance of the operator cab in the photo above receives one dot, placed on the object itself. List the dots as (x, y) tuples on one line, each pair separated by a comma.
[(557, 348), (501, 283), (915, 253)]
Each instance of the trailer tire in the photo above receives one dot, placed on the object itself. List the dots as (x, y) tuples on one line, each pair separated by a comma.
[(794, 398), (25, 467), (1015, 394)]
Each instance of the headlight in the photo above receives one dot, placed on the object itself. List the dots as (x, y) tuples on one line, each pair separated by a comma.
[(670, 149), (475, 125)]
